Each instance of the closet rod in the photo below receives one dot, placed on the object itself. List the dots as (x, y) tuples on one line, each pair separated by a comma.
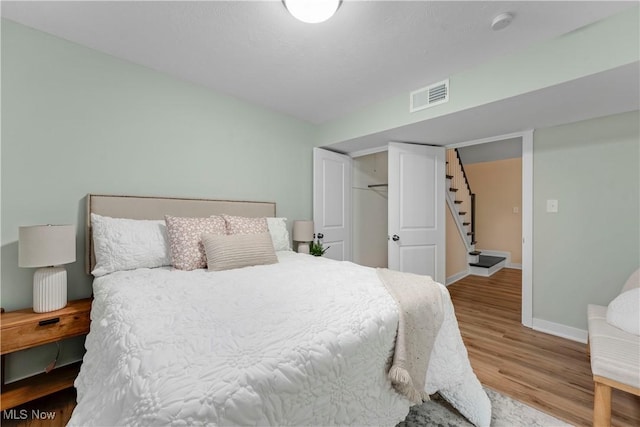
[(377, 185)]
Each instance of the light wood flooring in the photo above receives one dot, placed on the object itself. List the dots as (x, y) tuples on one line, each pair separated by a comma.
[(544, 371), (547, 372)]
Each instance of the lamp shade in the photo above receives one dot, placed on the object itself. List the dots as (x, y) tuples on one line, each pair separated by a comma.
[(46, 245), (303, 231)]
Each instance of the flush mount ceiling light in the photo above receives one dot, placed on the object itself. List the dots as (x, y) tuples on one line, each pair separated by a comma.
[(312, 11), (501, 21)]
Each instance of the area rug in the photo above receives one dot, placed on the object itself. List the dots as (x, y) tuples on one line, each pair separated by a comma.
[(505, 412)]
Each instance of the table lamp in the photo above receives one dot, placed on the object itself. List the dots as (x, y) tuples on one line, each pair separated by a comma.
[(47, 246), (303, 234)]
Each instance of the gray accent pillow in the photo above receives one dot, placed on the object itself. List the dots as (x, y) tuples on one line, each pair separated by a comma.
[(238, 250)]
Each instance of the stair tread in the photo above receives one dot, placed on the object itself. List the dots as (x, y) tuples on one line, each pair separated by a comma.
[(449, 176), (457, 202), (487, 261), (474, 242), (466, 223), (462, 213), (470, 233), (453, 189)]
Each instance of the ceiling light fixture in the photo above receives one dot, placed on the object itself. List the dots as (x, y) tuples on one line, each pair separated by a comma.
[(312, 11), (501, 21)]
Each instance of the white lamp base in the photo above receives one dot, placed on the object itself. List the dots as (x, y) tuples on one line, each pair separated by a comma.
[(49, 289), (303, 247)]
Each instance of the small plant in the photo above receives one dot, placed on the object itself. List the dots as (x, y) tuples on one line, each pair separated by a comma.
[(316, 248)]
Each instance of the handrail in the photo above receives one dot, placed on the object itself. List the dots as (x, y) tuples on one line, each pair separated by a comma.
[(473, 215), (466, 200), (464, 174)]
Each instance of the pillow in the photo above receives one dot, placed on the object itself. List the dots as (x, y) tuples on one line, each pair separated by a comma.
[(245, 225), (624, 311), (187, 252), (279, 233), (127, 244), (238, 250), (632, 282)]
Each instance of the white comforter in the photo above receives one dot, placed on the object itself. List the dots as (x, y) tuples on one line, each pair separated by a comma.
[(302, 342)]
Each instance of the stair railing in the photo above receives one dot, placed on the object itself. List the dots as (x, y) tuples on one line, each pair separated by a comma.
[(465, 199)]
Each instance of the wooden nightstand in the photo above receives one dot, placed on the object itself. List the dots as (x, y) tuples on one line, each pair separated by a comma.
[(25, 329)]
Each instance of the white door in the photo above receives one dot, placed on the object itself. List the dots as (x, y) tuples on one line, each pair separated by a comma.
[(416, 209), (332, 202)]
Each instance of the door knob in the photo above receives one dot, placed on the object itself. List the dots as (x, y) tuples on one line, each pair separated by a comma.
[(395, 238), (320, 236)]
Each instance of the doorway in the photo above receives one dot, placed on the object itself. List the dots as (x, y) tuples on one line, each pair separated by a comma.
[(415, 229), (526, 139), (370, 201)]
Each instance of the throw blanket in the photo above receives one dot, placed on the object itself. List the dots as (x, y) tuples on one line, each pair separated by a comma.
[(420, 315)]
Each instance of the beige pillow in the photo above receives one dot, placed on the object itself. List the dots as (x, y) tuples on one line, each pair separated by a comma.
[(245, 225), (238, 250), (187, 251)]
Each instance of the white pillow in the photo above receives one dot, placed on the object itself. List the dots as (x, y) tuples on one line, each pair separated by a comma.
[(624, 311), (127, 244), (279, 233), (632, 282)]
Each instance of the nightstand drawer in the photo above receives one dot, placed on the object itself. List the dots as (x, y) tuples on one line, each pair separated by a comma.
[(23, 332)]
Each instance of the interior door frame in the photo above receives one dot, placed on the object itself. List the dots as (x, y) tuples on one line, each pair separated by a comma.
[(527, 214)]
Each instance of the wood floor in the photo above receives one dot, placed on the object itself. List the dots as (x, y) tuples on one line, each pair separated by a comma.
[(550, 373), (544, 371)]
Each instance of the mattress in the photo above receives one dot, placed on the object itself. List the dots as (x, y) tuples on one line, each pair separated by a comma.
[(306, 341)]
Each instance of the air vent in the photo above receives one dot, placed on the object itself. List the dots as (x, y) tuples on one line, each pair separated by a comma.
[(429, 96)]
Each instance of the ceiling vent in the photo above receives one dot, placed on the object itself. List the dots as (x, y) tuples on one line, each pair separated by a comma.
[(437, 93)]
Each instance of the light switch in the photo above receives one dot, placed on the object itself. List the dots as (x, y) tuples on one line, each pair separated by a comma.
[(552, 206), (515, 210)]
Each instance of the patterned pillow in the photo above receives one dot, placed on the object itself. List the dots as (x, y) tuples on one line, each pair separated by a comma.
[(187, 251), (238, 250), (244, 225)]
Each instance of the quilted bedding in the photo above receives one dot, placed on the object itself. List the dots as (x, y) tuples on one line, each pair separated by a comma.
[(302, 342)]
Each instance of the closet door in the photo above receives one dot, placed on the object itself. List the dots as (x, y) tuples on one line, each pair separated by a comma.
[(332, 202), (416, 209)]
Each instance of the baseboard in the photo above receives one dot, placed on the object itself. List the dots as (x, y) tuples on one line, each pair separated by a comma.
[(560, 330), (452, 279), (514, 266)]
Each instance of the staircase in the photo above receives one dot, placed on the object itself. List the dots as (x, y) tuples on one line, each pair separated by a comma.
[(487, 265), (462, 202)]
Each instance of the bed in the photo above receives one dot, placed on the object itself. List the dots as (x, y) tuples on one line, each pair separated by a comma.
[(302, 341)]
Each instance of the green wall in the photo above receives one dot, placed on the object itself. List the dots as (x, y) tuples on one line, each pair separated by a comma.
[(76, 121), (584, 253)]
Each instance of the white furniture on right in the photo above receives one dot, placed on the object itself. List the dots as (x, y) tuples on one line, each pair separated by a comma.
[(615, 359)]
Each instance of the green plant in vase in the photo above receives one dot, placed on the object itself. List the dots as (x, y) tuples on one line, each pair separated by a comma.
[(316, 248)]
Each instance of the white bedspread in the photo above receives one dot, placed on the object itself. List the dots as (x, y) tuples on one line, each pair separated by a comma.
[(302, 342)]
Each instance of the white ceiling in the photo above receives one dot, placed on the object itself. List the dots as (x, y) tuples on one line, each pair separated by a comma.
[(369, 51)]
